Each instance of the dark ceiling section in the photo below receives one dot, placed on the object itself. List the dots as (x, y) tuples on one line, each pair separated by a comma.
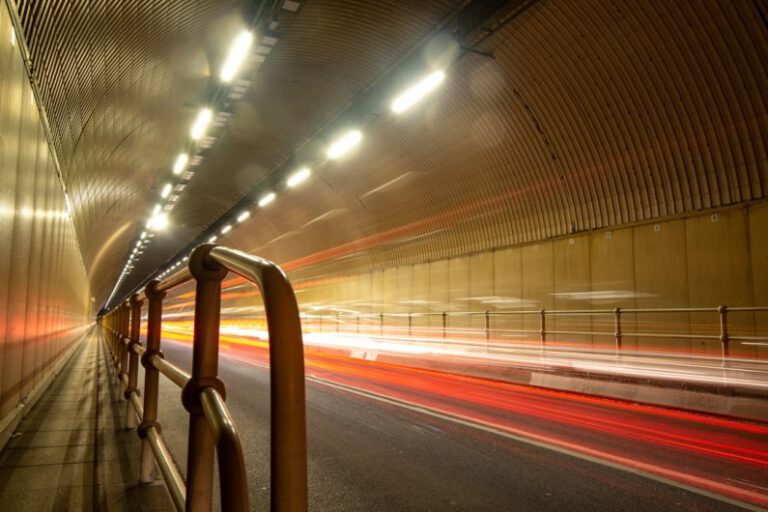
[(587, 115)]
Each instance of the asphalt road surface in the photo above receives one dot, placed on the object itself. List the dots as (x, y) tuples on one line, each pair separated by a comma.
[(387, 438)]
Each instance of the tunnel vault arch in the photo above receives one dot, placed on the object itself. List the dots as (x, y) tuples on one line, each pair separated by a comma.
[(571, 117)]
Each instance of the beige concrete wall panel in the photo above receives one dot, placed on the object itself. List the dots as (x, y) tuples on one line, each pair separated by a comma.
[(718, 272), (481, 288), (458, 296), (572, 282), (758, 248), (438, 294), (538, 281), (405, 291), (508, 295), (391, 297), (613, 279), (661, 281)]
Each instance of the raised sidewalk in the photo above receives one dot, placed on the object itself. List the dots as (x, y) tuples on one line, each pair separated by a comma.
[(71, 452)]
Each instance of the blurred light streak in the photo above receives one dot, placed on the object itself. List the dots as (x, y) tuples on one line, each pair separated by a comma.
[(717, 454)]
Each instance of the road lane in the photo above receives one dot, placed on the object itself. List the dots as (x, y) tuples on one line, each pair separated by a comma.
[(372, 454)]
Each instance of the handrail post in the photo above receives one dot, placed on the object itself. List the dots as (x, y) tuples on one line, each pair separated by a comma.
[(724, 339), (543, 327), (133, 362), (445, 323), (487, 327), (287, 395), (122, 353), (151, 379), (617, 329), (205, 363), (410, 323)]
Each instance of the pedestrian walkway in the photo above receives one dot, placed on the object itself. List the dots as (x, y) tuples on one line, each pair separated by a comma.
[(71, 452)]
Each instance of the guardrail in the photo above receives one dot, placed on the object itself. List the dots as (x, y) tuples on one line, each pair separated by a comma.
[(211, 427), (543, 332)]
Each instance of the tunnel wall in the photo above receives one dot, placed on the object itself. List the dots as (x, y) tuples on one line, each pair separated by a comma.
[(697, 261), (44, 298)]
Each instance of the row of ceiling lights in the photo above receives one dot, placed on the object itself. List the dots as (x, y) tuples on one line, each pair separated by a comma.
[(158, 219), (340, 147)]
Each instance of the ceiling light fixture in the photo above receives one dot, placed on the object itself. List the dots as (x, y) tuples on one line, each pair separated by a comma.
[(237, 52), (226, 229), (212, 239), (181, 163), (158, 222), (265, 200), (344, 144), (166, 190), (243, 216), (299, 176), (417, 91), (201, 123)]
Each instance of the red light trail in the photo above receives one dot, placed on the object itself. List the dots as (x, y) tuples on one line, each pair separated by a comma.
[(715, 455)]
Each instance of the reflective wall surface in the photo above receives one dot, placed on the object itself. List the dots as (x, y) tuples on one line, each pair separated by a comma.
[(701, 261), (44, 299)]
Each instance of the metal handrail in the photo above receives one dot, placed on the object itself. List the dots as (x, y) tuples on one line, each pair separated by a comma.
[(286, 356), (173, 372), (232, 474), (211, 425), (618, 334)]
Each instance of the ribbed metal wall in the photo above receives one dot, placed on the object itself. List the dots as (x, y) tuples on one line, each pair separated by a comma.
[(119, 81), (122, 81), (44, 299), (590, 114)]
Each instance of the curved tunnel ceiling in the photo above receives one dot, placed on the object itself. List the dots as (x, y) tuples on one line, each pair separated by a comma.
[(569, 116)]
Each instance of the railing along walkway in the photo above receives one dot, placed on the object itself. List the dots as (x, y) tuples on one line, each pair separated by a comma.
[(412, 323), (212, 429)]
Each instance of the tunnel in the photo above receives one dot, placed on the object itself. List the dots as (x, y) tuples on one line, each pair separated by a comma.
[(471, 255)]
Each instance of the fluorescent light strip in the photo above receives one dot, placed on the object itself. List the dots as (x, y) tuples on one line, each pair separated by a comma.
[(166, 190), (201, 123), (298, 177), (265, 200), (243, 216), (417, 91), (181, 163), (158, 221), (226, 229), (344, 144), (237, 53)]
